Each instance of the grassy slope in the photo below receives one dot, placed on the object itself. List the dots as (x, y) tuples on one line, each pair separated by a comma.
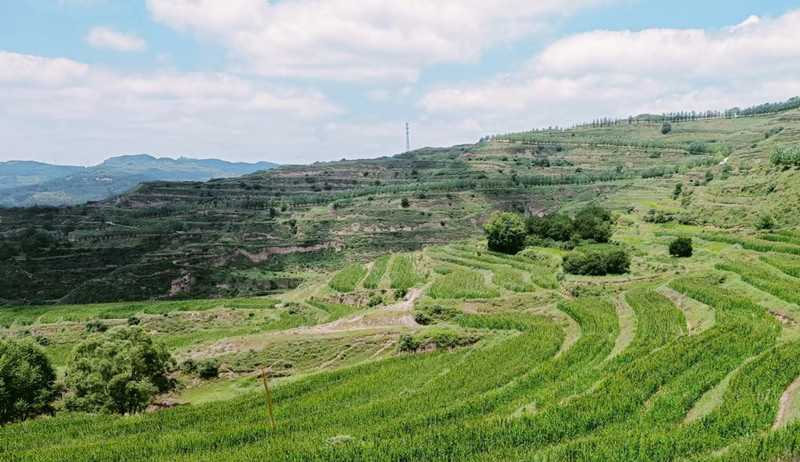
[(521, 368)]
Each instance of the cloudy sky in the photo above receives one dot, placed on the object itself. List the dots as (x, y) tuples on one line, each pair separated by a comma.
[(296, 81)]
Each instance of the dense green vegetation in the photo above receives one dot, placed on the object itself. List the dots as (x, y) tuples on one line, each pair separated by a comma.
[(597, 261), (461, 284), (27, 380), (347, 279), (592, 224), (515, 299), (681, 247), (376, 273), (404, 273), (505, 233), (121, 371)]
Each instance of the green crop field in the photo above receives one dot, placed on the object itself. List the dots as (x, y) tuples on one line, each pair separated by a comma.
[(389, 331), (347, 279)]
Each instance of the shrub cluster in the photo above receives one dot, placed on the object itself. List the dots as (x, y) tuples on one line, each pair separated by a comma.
[(598, 261), (590, 224), (428, 314), (787, 156), (681, 247), (204, 368)]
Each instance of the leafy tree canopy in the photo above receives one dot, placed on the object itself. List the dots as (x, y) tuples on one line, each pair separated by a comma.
[(593, 223), (119, 371), (26, 380), (506, 233), (598, 262)]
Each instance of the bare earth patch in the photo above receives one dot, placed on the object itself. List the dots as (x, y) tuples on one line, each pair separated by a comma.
[(790, 400)]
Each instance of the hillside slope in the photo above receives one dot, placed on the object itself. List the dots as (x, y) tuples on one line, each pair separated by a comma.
[(193, 239), (390, 331)]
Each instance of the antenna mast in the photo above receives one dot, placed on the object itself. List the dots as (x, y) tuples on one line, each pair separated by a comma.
[(408, 139)]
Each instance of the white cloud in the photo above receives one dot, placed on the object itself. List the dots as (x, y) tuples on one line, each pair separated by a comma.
[(754, 47), (59, 106), (108, 38), (360, 40), (18, 68), (619, 73)]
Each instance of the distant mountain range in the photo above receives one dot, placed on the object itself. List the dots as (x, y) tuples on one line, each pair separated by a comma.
[(26, 183)]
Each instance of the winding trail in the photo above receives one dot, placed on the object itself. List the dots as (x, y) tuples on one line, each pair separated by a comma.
[(358, 322)]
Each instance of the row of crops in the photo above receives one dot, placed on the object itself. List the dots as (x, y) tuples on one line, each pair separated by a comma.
[(515, 398), (579, 404), (648, 391), (462, 277), (465, 267), (404, 272)]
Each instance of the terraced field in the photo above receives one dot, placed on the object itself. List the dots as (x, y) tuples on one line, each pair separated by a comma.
[(392, 333), (499, 372)]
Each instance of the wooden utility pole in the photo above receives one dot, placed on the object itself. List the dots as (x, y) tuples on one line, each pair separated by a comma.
[(269, 400)]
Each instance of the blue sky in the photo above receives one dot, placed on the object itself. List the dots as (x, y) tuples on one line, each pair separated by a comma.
[(296, 81)]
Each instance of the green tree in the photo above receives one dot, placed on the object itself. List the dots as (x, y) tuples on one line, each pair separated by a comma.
[(593, 223), (599, 262), (119, 371), (506, 233), (681, 247), (666, 128), (560, 227), (27, 380), (404, 203), (557, 226)]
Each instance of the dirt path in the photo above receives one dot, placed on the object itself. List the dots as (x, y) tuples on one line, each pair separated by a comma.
[(787, 402), (359, 321)]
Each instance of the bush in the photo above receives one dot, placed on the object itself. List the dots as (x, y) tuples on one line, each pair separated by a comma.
[(698, 148), (133, 321), (27, 381), (408, 343), (681, 247), (506, 233), (597, 262), (96, 326), (120, 371), (208, 369), (766, 223), (422, 317), (677, 191), (666, 128), (431, 313), (189, 366), (405, 203), (786, 156)]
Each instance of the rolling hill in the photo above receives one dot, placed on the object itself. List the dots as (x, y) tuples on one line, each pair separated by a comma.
[(366, 292), (33, 183)]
